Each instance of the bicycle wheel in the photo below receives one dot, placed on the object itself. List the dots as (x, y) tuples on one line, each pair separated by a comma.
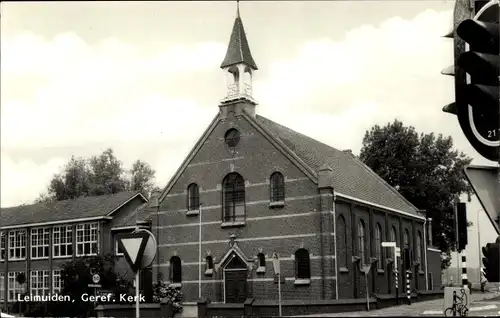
[(448, 312)]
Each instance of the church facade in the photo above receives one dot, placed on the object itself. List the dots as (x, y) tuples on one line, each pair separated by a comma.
[(252, 188)]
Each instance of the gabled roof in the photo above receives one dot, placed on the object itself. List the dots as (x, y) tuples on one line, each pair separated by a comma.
[(238, 50), (351, 177), (138, 214), (67, 210)]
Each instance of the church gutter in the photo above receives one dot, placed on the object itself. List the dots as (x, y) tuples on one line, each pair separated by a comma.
[(416, 216)]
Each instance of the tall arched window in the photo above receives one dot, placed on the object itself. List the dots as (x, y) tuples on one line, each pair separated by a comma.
[(175, 270), (419, 247), (302, 264), (394, 235), (193, 197), (361, 241), (378, 245), (406, 239), (233, 197), (342, 241), (277, 187), (209, 265)]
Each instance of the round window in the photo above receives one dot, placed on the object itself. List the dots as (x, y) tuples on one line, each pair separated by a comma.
[(232, 137)]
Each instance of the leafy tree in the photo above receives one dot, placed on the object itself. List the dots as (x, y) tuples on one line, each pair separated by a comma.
[(142, 177), (97, 175), (107, 174), (76, 276), (425, 169)]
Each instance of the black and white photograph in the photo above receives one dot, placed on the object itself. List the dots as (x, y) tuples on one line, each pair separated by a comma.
[(250, 158)]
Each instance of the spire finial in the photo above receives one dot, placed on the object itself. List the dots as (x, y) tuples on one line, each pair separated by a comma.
[(238, 8)]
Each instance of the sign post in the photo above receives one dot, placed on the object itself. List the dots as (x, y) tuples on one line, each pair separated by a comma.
[(276, 266), (139, 249), (366, 270)]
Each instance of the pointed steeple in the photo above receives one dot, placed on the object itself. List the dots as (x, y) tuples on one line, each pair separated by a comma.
[(238, 50)]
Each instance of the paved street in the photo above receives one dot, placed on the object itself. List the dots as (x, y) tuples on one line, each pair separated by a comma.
[(483, 304)]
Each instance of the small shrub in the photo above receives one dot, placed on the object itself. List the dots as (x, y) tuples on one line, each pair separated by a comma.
[(162, 292)]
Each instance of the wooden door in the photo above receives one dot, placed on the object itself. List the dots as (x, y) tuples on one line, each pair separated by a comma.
[(236, 286)]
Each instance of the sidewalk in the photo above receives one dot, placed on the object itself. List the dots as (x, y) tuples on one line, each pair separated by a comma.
[(433, 307)]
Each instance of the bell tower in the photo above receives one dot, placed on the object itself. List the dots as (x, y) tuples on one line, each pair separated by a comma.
[(238, 67)]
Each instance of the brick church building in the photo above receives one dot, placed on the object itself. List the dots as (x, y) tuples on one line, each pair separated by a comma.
[(252, 187)]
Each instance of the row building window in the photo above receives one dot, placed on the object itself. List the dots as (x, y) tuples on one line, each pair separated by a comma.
[(87, 242)]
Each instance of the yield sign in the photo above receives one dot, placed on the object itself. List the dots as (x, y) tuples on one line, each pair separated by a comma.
[(484, 181), (133, 245)]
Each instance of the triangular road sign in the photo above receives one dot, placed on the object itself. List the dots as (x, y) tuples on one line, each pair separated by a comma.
[(484, 182), (133, 245)]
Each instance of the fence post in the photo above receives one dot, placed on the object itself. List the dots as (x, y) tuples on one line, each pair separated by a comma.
[(202, 307)]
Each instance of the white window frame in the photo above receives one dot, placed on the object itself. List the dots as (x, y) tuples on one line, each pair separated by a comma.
[(39, 283), (57, 283), (83, 240), (3, 245), (40, 242), (17, 241), (61, 240), (2, 287), (117, 245), (14, 287)]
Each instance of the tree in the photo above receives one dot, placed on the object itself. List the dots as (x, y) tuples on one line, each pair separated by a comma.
[(142, 177), (106, 174), (97, 175), (424, 168)]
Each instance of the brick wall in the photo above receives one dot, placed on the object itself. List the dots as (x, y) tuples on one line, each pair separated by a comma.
[(280, 230), (352, 283)]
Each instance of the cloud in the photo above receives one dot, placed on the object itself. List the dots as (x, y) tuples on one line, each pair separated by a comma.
[(62, 92)]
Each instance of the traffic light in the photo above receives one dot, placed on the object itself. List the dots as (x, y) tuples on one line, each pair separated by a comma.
[(462, 225), (477, 93), (491, 253)]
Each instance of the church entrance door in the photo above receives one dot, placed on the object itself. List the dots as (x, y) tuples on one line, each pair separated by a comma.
[(235, 281)]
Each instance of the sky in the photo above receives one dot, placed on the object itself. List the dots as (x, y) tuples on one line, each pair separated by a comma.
[(144, 78)]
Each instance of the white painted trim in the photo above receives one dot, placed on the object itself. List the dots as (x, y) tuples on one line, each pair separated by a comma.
[(283, 148), (121, 228), (267, 260), (213, 162), (96, 218), (124, 203), (199, 143), (259, 218), (433, 249), (218, 206), (251, 185), (281, 237), (379, 206)]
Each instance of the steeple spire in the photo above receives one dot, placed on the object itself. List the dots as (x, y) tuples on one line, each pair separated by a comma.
[(238, 50)]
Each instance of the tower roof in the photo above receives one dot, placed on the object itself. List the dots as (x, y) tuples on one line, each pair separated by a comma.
[(238, 50)]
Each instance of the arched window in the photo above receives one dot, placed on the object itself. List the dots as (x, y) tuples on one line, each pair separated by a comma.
[(342, 241), (277, 187), (361, 241), (394, 235), (175, 270), (209, 265), (193, 197), (378, 246), (262, 260), (406, 239), (302, 264), (419, 247), (233, 197)]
